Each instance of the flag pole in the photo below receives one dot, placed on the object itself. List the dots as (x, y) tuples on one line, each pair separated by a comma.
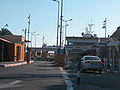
[(105, 27)]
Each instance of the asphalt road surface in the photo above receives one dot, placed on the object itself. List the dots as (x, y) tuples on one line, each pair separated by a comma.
[(94, 81), (40, 75)]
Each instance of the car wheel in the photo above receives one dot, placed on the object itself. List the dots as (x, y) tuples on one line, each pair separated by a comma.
[(100, 71)]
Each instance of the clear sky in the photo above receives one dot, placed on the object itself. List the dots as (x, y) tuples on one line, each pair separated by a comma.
[(44, 17)]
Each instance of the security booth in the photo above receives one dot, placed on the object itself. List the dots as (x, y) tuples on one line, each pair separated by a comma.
[(11, 48), (4, 50)]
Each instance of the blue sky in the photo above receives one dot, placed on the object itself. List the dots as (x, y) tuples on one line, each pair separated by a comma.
[(44, 17)]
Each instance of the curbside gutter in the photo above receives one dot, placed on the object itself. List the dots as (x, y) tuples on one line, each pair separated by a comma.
[(68, 82)]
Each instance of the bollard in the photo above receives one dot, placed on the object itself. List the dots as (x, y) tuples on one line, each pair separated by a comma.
[(78, 78), (78, 74)]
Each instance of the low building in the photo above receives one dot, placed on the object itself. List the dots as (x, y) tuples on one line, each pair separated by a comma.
[(77, 46), (12, 48)]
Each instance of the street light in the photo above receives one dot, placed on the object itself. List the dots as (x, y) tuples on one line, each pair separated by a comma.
[(35, 39), (61, 22), (31, 37), (57, 20), (29, 22), (66, 27)]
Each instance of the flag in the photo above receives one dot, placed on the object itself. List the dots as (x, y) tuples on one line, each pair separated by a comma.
[(29, 18), (104, 23)]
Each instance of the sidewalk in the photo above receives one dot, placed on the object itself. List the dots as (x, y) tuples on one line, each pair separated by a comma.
[(11, 64)]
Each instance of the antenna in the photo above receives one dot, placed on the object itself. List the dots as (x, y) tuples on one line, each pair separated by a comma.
[(90, 27), (43, 40)]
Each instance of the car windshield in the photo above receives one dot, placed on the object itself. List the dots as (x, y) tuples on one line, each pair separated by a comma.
[(92, 58)]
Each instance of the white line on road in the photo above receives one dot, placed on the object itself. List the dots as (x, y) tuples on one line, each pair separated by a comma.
[(11, 84), (67, 79), (15, 82)]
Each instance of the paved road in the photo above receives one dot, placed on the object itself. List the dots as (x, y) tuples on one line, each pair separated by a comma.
[(94, 81), (40, 75), (104, 81)]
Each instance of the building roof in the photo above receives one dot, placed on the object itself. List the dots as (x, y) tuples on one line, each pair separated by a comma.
[(78, 38), (4, 40), (113, 43), (13, 38), (116, 34)]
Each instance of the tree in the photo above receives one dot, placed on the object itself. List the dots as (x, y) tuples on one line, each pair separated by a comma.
[(5, 31)]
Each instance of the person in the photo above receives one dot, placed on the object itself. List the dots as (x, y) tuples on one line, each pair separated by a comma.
[(28, 55)]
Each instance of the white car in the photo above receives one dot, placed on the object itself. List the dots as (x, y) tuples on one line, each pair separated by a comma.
[(91, 63)]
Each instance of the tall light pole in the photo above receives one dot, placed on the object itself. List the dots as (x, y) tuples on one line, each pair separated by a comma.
[(57, 20), (31, 37), (29, 26), (35, 39), (66, 28), (61, 23)]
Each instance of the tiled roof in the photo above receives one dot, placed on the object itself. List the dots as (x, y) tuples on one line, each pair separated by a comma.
[(4, 40), (116, 34), (82, 38), (13, 38)]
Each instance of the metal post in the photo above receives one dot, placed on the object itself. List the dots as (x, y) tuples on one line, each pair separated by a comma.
[(58, 22), (61, 23), (78, 76), (31, 37), (25, 33), (28, 26), (66, 28), (35, 41)]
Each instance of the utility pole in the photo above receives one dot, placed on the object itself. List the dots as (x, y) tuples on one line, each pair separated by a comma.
[(28, 53), (61, 23), (29, 26), (25, 33), (104, 27), (66, 27), (57, 20)]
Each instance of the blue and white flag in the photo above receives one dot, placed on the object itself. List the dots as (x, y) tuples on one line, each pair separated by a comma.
[(104, 23)]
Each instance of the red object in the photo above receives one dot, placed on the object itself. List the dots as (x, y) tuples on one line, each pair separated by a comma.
[(100, 62), (87, 61)]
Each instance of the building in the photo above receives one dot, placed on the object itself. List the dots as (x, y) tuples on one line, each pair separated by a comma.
[(12, 48), (77, 46)]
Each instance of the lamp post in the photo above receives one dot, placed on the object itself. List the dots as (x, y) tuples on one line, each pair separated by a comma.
[(29, 17), (31, 37), (66, 28), (35, 39), (57, 20), (61, 23)]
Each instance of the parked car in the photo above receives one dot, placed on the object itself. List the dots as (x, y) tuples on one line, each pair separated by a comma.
[(91, 63)]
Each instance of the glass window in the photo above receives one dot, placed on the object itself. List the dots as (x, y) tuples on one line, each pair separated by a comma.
[(92, 58)]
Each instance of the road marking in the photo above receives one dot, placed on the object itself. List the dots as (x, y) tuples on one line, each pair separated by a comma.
[(11, 84), (15, 82), (67, 79)]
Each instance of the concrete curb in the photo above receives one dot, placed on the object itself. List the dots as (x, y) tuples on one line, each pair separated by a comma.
[(68, 82), (112, 71), (14, 64)]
